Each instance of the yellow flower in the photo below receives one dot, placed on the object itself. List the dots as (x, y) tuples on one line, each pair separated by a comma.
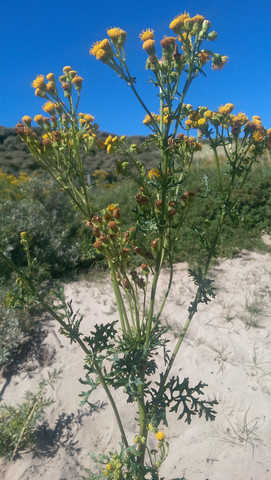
[(108, 466), (112, 207), (208, 114), (148, 120), (154, 173), (26, 119), (160, 436), (38, 82), (38, 119), (259, 134), (108, 140), (257, 120), (67, 69), (201, 122), (117, 35), (226, 109), (49, 107), (89, 118), (146, 35), (95, 48), (148, 45), (77, 81), (50, 77), (103, 55), (177, 24)]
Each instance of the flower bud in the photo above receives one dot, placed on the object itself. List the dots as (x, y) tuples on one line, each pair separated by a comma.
[(212, 36)]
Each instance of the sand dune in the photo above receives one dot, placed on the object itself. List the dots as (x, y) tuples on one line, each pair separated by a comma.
[(228, 347)]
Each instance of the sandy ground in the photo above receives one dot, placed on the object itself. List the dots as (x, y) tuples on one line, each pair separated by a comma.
[(227, 347)]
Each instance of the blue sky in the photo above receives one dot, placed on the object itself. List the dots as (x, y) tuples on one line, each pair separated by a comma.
[(42, 37)]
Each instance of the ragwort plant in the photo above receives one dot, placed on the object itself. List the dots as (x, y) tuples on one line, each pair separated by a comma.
[(121, 355)]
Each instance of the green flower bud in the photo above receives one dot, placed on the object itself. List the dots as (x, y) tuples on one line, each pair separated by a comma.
[(212, 36)]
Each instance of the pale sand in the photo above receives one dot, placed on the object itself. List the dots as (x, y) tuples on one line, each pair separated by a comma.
[(227, 347)]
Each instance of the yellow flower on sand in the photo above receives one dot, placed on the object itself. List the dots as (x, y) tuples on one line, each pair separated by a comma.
[(38, 82), (108, 466), (146, 35), (160, 436)]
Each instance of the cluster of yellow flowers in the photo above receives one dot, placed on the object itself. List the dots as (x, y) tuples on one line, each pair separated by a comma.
[(69, 79), (57, 131), (203, 118), (185, 27), (112, 143)]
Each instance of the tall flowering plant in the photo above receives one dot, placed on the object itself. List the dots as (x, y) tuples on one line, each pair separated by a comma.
[(121, 354)]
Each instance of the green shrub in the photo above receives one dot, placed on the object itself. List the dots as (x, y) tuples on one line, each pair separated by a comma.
[(19, 425)]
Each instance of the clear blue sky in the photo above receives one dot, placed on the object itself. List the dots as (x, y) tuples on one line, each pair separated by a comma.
[(42, 37)]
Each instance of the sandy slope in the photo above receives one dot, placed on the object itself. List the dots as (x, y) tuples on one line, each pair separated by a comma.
[(228, 347)]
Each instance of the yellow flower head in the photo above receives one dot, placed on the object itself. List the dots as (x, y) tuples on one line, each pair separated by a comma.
[(108, 466), (40, 93), (226, 109), (103, 56), (146, 35), (95, 48), (67, 69), (50, 77), (154, 173), (148, 45), (201, 122), (177, 24), (49, 107), (38, 119), (160, 436), (26, 119), (259, 134), (148, 120), (108, 140), (117, 35), (105, 45), (38, 82), (77, 81), (257, 120), (208, 114), (112, 206), (89, 118)]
